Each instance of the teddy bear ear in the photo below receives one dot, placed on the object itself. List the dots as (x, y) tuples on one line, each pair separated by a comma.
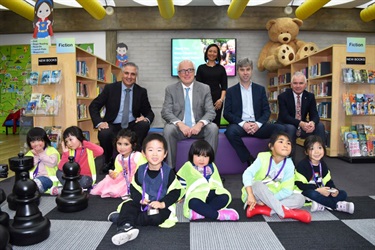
[(299, 22), (270, 23)]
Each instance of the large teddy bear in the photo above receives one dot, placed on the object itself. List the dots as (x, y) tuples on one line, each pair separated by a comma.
[(283, 47)]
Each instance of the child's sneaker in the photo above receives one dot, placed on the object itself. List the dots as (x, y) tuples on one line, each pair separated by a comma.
[(315, 206), (195, 216), (228, 214), (125, 234), (113, 217), (344, 206)]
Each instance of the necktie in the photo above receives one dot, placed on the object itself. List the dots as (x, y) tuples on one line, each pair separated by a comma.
[(125, 112), (298, 113), (188, 121)]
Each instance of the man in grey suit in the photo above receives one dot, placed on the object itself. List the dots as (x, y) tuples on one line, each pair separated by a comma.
[(188, 111)]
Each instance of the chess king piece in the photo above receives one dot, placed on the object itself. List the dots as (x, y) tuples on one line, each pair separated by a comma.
[(18, 165), (29, 226), (72, 197)]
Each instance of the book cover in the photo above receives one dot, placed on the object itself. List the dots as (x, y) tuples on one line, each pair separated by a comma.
[(350, 135), (86, 134), (353, 147), (371, 76), (37, 97), (46, 77), (347, 75), (55, 76), (54, 135), (363, 148), (31, 107), (357, 76), (33, 78), (364, 75), (52, 107)]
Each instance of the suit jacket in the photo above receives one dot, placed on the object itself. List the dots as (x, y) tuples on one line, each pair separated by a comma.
[(287, 108), (174, 103), (233, 104), (111, 98)]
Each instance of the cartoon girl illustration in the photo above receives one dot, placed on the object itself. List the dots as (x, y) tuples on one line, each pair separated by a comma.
[(121, 57), (43, 19)]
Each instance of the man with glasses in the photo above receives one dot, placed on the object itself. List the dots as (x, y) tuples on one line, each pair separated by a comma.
[(295, 105), (188, 111), (126, 106), (247, 111)]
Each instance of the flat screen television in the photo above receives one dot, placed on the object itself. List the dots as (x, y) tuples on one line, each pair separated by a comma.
[(193, 49)]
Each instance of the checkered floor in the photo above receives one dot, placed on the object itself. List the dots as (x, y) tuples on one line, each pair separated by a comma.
[(88, 229)]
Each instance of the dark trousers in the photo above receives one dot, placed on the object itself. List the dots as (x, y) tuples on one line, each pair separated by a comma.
[(234, 133), (106, 137), (319, 131), (209, 209), (218, 116), (131, 213), (325, 201)]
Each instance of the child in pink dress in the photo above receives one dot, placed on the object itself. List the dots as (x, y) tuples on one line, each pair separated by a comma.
[(116, 183)]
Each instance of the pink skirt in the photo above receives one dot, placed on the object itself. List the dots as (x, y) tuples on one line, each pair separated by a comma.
[(111, 188)]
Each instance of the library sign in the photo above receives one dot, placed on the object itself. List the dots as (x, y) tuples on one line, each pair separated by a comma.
[(356, 44), (47, 61), (65, 45)]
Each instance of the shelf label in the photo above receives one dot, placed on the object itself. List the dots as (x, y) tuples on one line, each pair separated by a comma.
[(356, 44), (65, 45), (355, 60)]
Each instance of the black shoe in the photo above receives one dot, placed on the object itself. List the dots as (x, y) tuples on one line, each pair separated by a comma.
[(125, 234)]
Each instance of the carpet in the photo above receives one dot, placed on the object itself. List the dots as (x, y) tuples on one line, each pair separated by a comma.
[(89, 229)]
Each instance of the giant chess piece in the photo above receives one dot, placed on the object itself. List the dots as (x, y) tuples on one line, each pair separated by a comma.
[(29, 226), (3, 171), (4, 238), (18, 165), (4, 217), (72, 197)]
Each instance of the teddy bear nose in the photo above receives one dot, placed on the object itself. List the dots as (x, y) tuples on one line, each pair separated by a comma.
[(285, 39)]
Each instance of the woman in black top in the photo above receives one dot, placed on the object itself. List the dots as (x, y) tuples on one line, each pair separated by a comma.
[(214, 75)]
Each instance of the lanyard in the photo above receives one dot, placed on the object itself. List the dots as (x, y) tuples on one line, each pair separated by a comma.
[(75, 153), (126, 175), (144, 186), (204, 170), (36, 170), (269, 169), (320, 174)]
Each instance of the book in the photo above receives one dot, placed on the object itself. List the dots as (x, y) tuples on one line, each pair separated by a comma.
[(37, 97), (371, 76), (55, 76), (33, 78), (54, 134), (364, 75), (347, 75), (86, 134), (31, 107), (46, 77), (353, 147)]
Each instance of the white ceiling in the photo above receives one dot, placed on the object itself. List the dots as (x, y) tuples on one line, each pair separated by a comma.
[(268, 3)]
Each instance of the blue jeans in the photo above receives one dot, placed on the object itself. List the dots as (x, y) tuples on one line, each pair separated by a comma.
[(209, 209), (325, 201), (45, 182)]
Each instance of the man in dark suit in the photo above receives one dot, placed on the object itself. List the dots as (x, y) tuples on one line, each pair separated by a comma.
[(139, 114), (197, 123), (247, 111), (298, 125)]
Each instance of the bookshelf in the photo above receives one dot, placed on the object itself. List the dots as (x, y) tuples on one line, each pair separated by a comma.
[(324, 71), (79, 85)]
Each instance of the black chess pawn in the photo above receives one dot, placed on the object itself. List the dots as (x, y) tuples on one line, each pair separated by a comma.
[(72, 197), (4, 217), (4, 238), (28, 226), (18, 165)]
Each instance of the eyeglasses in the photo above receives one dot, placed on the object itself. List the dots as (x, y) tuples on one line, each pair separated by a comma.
[(183, 71)]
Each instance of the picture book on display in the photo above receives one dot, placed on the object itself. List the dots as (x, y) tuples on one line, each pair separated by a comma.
[(86, 134), (54, 134), (55, 76), (33, 78), (359, 140), (46, 77)]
